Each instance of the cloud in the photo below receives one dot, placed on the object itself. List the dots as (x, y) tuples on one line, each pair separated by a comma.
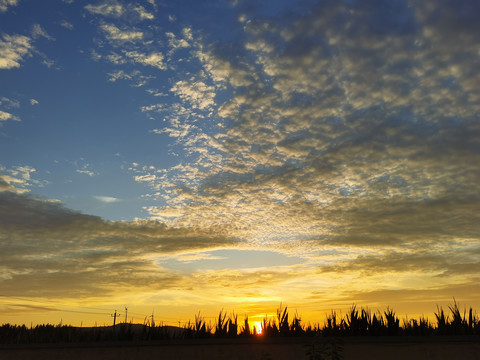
[(344, 128), (135, 76), (6, 184), (17, 179), (33, 102), (38, 31), (5, 4), (106, 199), (109, 9), (115, 34), (86, 172), (9, 103), (143, 13), (175, 43), (47, 249), (14, 49), (154, 59), (115, 9), (66, 25), (4, 116), (197, 93)]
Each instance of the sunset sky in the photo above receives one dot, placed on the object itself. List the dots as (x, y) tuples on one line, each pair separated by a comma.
[(183, 156)]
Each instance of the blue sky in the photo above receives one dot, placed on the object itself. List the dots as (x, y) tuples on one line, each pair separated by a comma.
[(276, 148)]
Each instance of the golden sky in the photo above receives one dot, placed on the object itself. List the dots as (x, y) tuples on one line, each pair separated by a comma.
[(173, 158)]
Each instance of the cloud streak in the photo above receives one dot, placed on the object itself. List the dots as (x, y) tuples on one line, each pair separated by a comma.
[(48, 249)]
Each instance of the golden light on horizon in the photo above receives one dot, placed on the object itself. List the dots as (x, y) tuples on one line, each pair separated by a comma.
[(258, 326), (329, 158)]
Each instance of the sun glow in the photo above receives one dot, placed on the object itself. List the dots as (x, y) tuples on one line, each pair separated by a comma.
[(258, 327)]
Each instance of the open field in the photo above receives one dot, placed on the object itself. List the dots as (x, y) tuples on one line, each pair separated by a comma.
[(357, 348)]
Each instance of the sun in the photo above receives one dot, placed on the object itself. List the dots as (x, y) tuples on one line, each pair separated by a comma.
[(257, 325)]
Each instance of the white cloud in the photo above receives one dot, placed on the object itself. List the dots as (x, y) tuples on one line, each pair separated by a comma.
[(106, 199), (4, 116), (33, 102), (115, 34), (142, 13), (95, 56), (48, 63), (86, 172), (136, 76), (175, 43), (154, 59), (223, 70), (14, 49), (66, 24), (111, 9), (197, 93), (115, 58), (9, 103), (5, 4), (18, 178), (38, 31)]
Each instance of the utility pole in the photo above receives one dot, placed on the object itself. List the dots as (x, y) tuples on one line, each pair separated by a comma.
[(115, 315), (126, 310)]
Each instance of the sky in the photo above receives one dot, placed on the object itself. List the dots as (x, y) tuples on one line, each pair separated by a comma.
[(176, 157)]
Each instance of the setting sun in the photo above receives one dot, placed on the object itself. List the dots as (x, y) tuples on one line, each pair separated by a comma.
[(164, 160), (258, 327)]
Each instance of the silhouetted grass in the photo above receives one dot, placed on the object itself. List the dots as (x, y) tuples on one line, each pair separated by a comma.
[(357, 322)]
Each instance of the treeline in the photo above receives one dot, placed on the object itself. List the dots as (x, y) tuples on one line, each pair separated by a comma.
[(357, 322)]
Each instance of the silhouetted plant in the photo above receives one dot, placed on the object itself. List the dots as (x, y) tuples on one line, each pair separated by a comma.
[(296, 326), (222, 324), (282, 317), (393, 323), (246, 328), (331, 328), (352, 321), (358, 322), (441, 321), (232, 326)]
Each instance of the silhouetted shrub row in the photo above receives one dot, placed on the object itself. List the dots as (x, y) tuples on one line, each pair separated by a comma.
[(357, 322)]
